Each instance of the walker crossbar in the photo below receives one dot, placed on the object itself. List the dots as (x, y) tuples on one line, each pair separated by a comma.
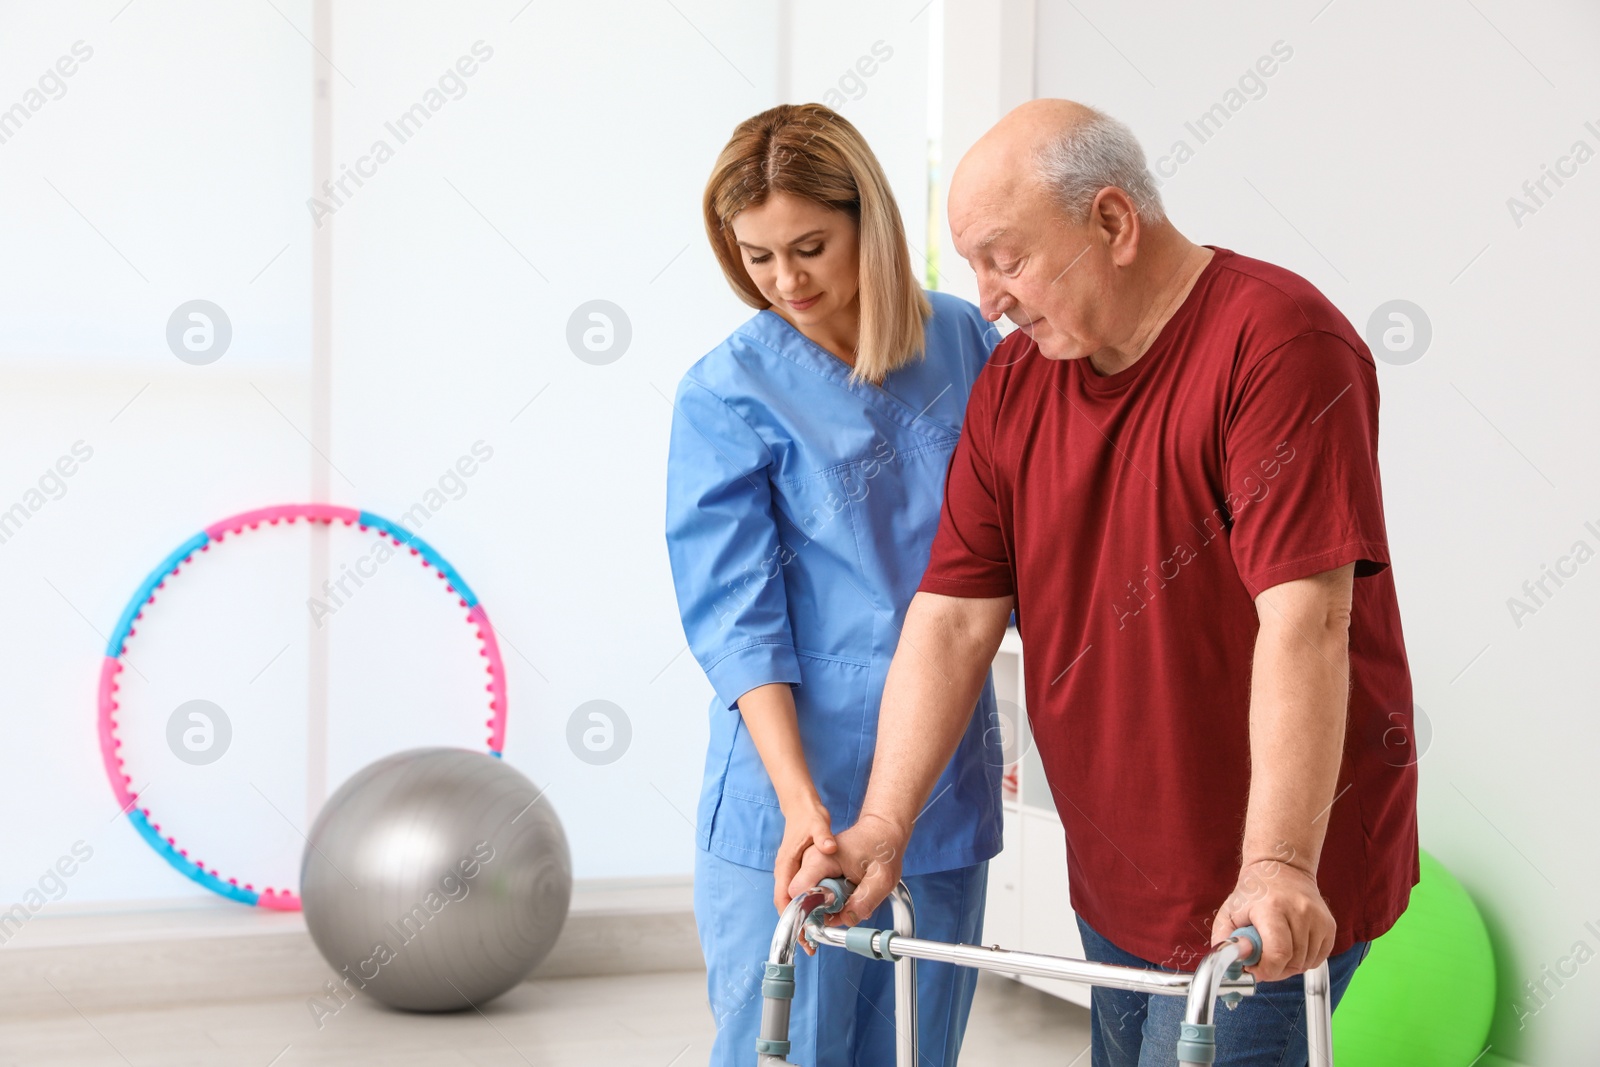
[(1220, 973)]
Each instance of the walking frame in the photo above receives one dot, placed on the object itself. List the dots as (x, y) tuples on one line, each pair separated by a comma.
[(1220, 974)]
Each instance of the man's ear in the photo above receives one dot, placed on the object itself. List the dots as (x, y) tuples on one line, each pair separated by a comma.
[(1116, 224)]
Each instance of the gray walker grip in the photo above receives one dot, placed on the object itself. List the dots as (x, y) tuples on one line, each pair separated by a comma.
[(841, 890)]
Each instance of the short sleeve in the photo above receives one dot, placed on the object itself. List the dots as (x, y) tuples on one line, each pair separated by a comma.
[(969, 557), (1301, 467), (722, 541)]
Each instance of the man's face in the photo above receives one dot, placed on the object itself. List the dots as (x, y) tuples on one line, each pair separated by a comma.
[(1044, 272)]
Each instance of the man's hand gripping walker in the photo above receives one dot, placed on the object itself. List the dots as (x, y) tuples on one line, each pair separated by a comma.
[(1220, 973)]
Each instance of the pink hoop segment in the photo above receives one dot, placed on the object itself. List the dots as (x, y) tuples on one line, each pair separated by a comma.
[(111, 666)]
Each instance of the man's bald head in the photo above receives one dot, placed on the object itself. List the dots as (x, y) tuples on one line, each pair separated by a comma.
[(990, 166), (1066, 150)]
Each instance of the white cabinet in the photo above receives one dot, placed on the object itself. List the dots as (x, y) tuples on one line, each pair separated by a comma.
[(1028, 905)]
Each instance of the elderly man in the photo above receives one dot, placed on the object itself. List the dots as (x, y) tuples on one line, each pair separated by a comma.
[(1170, 472)]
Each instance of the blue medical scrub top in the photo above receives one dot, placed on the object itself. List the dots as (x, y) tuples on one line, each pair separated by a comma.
[(801, 508)]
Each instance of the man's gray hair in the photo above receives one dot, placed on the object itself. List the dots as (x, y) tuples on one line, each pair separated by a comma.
[(1090, 155)]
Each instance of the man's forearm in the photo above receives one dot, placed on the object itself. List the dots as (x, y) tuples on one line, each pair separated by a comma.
[(1299, 699), (938, 670)]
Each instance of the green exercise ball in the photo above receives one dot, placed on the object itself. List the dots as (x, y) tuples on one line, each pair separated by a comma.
[(1424, 996)]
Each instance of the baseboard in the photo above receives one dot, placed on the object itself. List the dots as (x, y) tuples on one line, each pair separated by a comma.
[(164, 954)]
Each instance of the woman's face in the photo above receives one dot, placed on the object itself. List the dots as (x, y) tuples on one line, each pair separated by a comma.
[(801, 255)]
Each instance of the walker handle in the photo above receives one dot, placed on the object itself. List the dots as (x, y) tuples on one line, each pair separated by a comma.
[(1252, 935), (841, 889)]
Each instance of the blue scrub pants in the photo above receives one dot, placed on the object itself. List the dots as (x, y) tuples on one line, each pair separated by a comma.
[(843, 1011), (1267, 1029)]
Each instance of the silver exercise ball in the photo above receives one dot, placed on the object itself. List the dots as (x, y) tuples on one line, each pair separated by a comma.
[(433, 881)]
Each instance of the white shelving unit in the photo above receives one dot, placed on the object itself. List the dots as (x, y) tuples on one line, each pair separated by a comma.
[(1028, 905)]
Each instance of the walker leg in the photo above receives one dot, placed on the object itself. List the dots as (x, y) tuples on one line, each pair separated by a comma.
[(1319, 1018), (777, 982), (905, 981)]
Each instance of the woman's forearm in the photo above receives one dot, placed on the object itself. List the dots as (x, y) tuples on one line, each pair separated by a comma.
[(769, 715)]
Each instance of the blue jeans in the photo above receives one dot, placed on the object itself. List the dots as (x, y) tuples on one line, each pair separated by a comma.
[(1267, 1029), (843, 1009)]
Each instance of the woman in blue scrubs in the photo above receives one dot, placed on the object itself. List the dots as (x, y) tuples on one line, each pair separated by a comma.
[(804, 482)]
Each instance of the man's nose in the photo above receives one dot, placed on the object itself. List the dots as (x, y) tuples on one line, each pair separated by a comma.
[(993, 300)]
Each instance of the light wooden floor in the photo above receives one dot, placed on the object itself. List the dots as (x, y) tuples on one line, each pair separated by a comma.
[(656, 1020)]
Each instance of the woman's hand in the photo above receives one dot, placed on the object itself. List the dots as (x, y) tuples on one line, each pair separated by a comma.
[(806, 824)]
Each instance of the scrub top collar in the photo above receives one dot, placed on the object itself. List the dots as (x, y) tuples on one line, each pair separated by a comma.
[(784, 339)]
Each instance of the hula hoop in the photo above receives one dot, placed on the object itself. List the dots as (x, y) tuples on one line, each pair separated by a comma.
[(122, 784)]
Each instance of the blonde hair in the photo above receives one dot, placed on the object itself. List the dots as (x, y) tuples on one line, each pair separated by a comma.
[(812, 152)]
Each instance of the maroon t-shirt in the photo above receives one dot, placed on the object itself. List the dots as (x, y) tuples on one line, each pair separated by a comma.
[(1135, 517)]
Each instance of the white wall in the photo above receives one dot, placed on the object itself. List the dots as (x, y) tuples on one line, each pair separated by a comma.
[(986, 70), (568, 167), (1377, 162), (570, 171), (169, 166), (590, 165), (870, 63)]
